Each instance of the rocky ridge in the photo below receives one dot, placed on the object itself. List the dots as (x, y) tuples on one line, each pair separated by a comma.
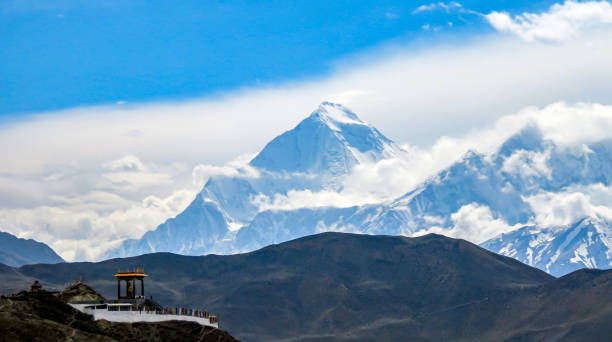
[(39, 315)]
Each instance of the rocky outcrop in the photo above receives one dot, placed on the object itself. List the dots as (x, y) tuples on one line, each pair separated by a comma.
[(43, 316), (79, 292)]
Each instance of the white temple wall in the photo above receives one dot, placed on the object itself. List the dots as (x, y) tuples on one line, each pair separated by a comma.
[(137, 316)]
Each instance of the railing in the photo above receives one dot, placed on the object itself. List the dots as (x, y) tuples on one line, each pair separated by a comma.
[(185, 312), (143, 315)]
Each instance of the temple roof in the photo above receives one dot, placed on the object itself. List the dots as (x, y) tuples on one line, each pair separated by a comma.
[(138, 272)]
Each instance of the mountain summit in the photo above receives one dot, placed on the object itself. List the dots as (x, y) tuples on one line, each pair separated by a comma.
[(315, 155), (331, 140)]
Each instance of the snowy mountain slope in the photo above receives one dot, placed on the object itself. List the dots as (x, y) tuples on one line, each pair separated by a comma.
[(476, 178), (525, 165), (559, 250), (197, 230), (316, 155), (502, 183), (475, 198), (273, 227)]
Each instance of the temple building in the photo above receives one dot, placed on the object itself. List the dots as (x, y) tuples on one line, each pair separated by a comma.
[(130, 278), (131, 305)]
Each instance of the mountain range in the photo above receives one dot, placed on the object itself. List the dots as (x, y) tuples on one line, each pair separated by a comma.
[(559, 250), (355, 287), (508, 185), (16, 252)]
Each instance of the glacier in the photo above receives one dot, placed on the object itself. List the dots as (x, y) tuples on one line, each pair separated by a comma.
[(559, 250)]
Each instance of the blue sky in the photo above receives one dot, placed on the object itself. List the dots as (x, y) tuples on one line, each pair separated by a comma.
[(63, 54)]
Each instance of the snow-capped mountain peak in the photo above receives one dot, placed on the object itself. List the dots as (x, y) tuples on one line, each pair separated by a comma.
[(315, 155), (330, 141), (335, 115), (559, 250)]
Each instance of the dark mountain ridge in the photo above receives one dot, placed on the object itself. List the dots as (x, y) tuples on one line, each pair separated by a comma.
[(15, 251), (336, 286)]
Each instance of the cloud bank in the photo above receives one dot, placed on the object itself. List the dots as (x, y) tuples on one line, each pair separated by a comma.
[(561, 22), (472, 222), (576, 202), (83, 179)]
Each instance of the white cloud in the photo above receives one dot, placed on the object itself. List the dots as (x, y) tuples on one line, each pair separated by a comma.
[(390, 178), (391, 15), (528, 164), (565, 124), (239, 167), (576, 202), (81, 213), (437, 6), (89, 225), (130, 174), (561, 22), (349, 96), (134, 180), (127, 163), (295, 199), (202, 172), (472, 222)]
